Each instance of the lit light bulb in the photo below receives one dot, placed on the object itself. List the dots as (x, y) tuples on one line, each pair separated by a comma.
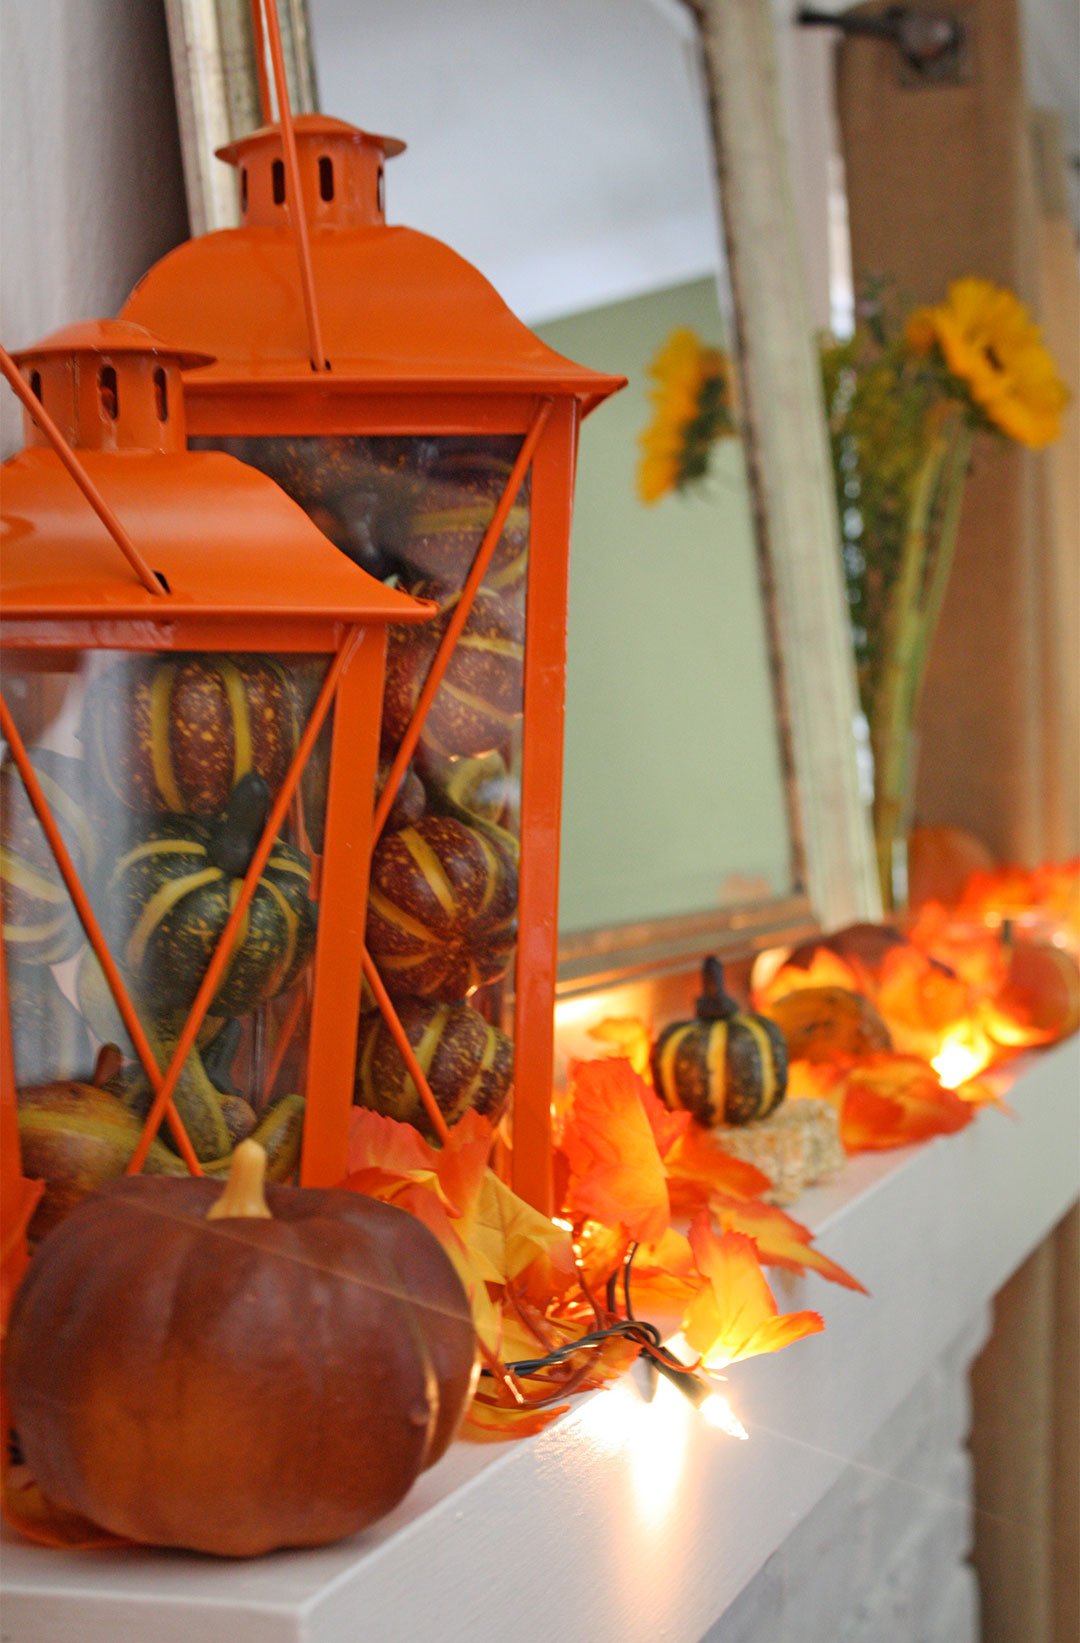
[(961, 1057), (716, 1411)]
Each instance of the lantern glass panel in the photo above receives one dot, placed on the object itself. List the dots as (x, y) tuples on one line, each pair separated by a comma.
[(159, 768), (442, 915)]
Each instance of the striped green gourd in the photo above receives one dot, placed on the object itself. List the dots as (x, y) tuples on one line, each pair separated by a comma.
[(170, 895), (726, 1066), (40, 924)]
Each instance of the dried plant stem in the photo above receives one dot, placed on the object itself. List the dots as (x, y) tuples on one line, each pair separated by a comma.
[(914, 609)]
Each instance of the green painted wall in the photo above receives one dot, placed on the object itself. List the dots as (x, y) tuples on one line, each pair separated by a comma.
[(673, 799)]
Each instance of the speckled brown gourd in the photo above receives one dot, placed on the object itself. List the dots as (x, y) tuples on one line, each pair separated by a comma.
[(469, 1064), (442, 909), (726, 1066), (456, 506), (40, 923), (480, 697), (178, 733)]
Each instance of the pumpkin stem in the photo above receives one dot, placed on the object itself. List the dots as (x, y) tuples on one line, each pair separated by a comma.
[(243, 1195), (714, 1004), (233, 839)]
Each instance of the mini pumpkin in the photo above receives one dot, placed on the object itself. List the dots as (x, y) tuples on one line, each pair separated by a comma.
[(169, 897), (442, 908), (469, 1064), (480, 697), (820, 1023), (178, 733), (240, 1371), (726, 1066), (40, 923)]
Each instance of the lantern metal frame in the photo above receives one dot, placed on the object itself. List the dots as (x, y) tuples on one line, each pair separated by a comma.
[(63, 593), (296, 368)]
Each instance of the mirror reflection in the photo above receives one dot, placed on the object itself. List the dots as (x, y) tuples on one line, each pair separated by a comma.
[(594, 215)]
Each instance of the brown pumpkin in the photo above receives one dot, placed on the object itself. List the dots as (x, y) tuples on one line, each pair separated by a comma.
[(235, 1372), (940, 862)]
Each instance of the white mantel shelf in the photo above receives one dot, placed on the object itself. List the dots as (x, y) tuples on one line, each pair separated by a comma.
[(624, 1520)]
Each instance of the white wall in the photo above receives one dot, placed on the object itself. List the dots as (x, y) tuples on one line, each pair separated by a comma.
[(90, 178)]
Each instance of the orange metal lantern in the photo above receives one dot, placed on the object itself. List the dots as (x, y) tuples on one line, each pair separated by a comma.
[(380, 380), (191, 740)]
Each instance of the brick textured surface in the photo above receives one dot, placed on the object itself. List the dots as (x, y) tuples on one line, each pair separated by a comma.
[(883, 1558)]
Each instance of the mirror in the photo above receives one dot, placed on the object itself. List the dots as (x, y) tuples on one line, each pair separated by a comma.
[(572, 152), (567, 155)]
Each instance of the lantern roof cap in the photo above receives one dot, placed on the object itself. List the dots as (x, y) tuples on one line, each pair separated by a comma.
[(308, 125), (223, 539), (400, 313), (110, 336)]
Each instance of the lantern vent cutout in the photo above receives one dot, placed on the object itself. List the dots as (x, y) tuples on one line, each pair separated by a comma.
[(380, 380), (189, 761)]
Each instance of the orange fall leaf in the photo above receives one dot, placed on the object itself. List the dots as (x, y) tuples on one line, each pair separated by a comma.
[(735, 1316)]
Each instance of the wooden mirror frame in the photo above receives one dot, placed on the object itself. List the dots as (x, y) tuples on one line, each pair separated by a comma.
[(787, 455)]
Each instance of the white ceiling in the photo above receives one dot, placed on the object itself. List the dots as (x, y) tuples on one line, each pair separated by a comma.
[(561, 146)]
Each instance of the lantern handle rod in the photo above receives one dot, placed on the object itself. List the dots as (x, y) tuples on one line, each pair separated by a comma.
[(88, 920), (266, 106), (459, 616), (34, 408), (293, 188)]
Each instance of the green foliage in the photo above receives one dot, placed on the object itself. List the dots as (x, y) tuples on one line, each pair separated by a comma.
[(879, 400)]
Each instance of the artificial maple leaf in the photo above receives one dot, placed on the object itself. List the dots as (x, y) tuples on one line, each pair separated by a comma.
[(920, 1000), (502, 1423), (697, 1166), (616, 1175), (781, 1240), (735, 1315), (667, 1126), (893, 1100), (504, 1233), (630, 1038)]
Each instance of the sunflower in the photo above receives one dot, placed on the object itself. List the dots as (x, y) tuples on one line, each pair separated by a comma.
[(988, 340), (692, 408)]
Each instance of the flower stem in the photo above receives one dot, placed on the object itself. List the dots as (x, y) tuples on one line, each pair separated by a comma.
[(891, 717)]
